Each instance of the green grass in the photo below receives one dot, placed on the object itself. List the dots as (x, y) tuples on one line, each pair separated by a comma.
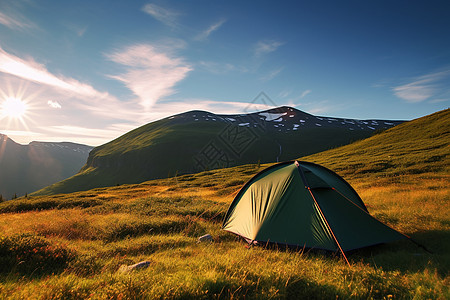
[(160, 221), (72, 246)]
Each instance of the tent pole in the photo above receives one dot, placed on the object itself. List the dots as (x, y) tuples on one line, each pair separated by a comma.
[(302, 175), (329, 227)]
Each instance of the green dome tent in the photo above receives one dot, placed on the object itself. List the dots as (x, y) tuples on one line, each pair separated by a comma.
[(306, 205)]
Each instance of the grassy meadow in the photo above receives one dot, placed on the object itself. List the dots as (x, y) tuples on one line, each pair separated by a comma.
[(74, 246)]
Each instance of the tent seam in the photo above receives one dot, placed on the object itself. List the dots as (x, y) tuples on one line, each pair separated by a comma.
[(302, 175)]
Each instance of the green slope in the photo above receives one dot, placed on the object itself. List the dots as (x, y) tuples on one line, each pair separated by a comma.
[(149, 152), (414, 147)]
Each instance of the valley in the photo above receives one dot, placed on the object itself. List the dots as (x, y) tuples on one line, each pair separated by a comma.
[(27, 168)]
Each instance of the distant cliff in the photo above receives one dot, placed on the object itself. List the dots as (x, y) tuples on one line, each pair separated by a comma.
[(27, 168)]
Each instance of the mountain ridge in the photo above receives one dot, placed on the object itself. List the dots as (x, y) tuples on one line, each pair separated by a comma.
[(196, 140), (271, 115), (28, 168)]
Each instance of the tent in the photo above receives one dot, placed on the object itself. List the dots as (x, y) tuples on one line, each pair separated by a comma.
[(306, 205)]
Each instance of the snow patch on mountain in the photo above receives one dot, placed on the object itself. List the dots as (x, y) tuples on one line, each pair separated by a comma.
[(272, 116), (284, 119)]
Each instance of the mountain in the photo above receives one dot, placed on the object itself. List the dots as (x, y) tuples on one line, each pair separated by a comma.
[(197, 140), (27, 168), (420, 146)]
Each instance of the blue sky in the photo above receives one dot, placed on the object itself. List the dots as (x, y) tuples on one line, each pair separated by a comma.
[(89, 71)]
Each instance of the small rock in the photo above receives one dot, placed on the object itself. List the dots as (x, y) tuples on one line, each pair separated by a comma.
[(205, 238), (139, 265)]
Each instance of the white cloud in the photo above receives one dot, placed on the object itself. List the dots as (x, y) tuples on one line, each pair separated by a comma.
[(271, 75), (110, 132), (284, 93), (440, 100), (306, 92), (417, 91), (265, 47), (15, 21), (67, 133), (424, 87), (79, 30), (88, 116), (33, 71), (319, 107), (10, 133), (150, 73), (161, 14), (79, 104), (205, 34), (215, 106), (220, 68), (53, 104)]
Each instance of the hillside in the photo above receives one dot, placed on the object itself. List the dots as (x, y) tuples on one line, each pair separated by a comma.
[(77, 246), (415, 147), (196, 141), (27, 168)]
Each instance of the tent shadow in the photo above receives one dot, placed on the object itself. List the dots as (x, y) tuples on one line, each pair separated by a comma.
[(293, 248), (405, 256), (302, 288)]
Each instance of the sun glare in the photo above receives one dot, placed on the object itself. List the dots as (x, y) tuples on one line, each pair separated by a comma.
[(14, 108)]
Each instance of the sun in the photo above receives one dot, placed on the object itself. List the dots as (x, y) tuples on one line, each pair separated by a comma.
[(14, 108)]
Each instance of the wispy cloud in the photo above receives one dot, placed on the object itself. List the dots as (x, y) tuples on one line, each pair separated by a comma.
[(215, 106), (79, 30), (306, 92), (319, 107), (285, 93), (88, 134), (78, 103), (15, 21), (149, 72), (424, 87), (206, 33), (161, 14), (53, 104), (265, 47), (21, 133), (33, 71), (271, 75), (440, 100), (220, 68)]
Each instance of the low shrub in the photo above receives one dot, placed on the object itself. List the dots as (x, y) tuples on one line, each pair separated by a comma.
[(30, 204), (132, 228), (28, 254)]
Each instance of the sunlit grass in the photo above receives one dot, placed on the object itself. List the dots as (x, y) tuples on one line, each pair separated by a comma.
[(160, 221)]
